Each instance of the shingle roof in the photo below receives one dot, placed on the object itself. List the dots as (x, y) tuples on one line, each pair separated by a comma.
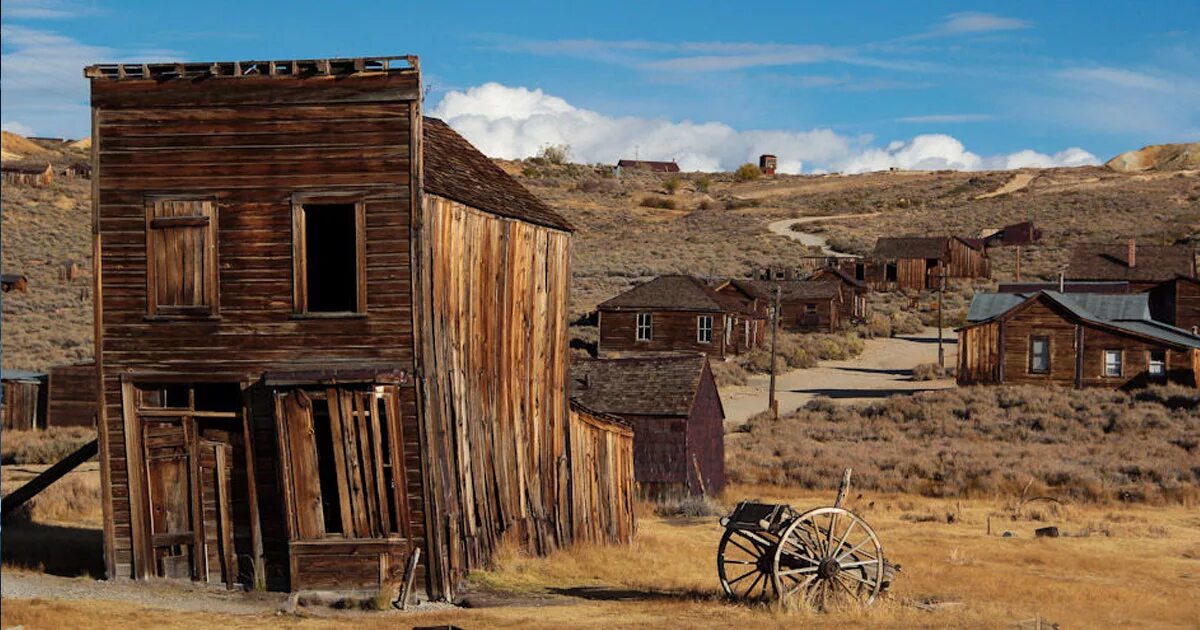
[(658, 385), (1129, 312), (799, 289), (1110, 261), (842, 275), (456, 170), (890, 247), (675, 292)]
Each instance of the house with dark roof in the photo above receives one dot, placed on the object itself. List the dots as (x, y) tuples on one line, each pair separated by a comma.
[(919, 262), (1015, 235), (675, 410), (1176, 301), (1141, 265), (648, 165), (853, 304), (338, 328), (677, 313), (27, 172), (1072, 339), (805, 305)]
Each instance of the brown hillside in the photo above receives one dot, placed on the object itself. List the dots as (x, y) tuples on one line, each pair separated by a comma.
[(19, 146), (1158, 157)]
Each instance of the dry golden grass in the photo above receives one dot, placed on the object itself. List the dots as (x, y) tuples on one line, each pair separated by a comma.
[(1113, 566)]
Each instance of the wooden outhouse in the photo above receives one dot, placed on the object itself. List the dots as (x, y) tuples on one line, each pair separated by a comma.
[(24, 400), (672, 403), (329, 332), (1072, 339)]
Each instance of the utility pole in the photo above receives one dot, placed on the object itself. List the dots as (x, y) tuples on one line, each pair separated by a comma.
[(941, 350), (1017, 263), (771, 402)]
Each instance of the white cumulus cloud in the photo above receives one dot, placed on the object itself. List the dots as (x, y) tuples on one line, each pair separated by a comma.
[(516, 122)]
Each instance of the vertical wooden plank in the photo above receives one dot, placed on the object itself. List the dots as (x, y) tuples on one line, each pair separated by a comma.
[(353, 464), (367, 460), (395, 423), (381, 494), (336, 430), (256, 536), (192, 448), (360, 249), (224, 515), (139, 501), (299, 263)]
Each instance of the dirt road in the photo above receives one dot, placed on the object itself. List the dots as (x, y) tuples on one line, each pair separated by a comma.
[(883, 369), (784, 228)]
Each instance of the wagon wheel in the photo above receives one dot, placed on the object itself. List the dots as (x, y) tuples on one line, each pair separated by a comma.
[(828, 555), (744, 562)]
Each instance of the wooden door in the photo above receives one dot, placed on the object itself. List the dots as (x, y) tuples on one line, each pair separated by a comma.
[(172, 526)]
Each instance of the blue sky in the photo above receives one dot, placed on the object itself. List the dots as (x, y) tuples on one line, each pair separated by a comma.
[(825, 86)]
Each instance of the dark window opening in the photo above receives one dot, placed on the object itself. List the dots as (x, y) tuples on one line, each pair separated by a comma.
[(218, 397), (330, 258), (890, 272), (170, 396), (327, 470), (860, 271), (932, 263)]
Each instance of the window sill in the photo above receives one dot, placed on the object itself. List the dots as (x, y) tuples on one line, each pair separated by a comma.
[(181, 318), (339, 315)]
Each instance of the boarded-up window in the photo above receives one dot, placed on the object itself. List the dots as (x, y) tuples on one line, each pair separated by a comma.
[(181, 257)]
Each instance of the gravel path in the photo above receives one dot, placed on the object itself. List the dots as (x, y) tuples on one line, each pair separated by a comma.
[(883, 369), (784, 228), (177, 596)]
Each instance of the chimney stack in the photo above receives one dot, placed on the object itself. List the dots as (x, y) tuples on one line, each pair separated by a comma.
[(1132, 258)]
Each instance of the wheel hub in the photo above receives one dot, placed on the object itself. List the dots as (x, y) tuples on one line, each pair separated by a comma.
[(828, 568)]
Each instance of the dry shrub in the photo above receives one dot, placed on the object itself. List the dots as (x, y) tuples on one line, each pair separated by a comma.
[(729, 373), (601, 185), (707, 204), (878, 325), (905, 323), (672, 184), (72, 499), (802, 351), (747, 172), (928, 372), (691, 506), (653, 201), (43, 447), (704, 183), (988, 442)]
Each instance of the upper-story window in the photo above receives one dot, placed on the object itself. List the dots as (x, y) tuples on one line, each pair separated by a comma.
[(704, 329), (181, 256), (643, 330), (329, 256)]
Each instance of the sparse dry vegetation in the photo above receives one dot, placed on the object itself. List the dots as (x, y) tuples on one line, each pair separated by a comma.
[(990, 441), (43, 447)]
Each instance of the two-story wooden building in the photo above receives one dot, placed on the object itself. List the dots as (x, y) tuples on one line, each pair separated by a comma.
[(675, 410), (329, 332), (1072, 339)]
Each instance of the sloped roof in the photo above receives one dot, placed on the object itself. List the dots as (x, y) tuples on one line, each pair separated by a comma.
[(654, 385), (1110, 261), (25, 166), (793, 290), (840, 274), (650, 165), (910, 247), (1073, 286), (456, 170), (671, 293), (1128, 312)]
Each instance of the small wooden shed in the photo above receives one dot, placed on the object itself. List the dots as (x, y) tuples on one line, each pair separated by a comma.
[(853, 304), (675, 410), (806, 305), (24, 404)]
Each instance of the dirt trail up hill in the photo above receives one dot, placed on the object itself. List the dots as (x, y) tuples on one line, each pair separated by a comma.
[(784, 228), (1158, 157), (1017, 182)]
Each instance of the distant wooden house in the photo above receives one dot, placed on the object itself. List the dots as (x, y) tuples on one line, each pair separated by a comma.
[(750, 308), (1072, 339), (79, 168), (675, 313), (27, 173), (853, 303), (24, 400), (1015, 235), (919, 262), (676, 413), (1142, 266), (648, 165), (377, 363), (1177, 302), (14, 282)]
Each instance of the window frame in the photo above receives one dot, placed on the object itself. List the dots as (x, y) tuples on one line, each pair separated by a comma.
[(1029, 367), (212, 293), (300, 255), (1162, 364), (648, 326), (1120, 363), (701, 328)]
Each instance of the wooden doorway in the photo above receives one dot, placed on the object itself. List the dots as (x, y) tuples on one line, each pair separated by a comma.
[(191, 490)]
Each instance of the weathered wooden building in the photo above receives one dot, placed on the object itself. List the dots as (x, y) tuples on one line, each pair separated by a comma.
[(675, 410), (648, 165), (27, 173), (329, 332), (853, 303), (1072, 339), (676, 313), (1177, 302), (806, 305), (746, 329), (1015, 235), (23, 407), (1142, 266), (72, 398), (919, 262)]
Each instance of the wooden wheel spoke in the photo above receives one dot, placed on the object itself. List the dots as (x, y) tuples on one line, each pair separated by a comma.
[(845, 536), (802, 557), (856, 548), (798, 571), (837, 580), (753, 584), (743, 576), (829, 534), (801, 585), (860, 563), (737, 562), (756, 553)]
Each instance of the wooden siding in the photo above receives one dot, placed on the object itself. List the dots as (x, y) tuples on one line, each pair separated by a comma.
[(602, 478), (706, 439), (795, 316), (964, 261), (979, 354), (1038, 320), (670, 331), (24, 406), (72, 397), (495, 352), (251, 144)]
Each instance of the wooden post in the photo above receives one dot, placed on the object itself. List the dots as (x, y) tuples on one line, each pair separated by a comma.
[(843, 488), (941, 350), (1017, 264), (410, 571), (771, 402)]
